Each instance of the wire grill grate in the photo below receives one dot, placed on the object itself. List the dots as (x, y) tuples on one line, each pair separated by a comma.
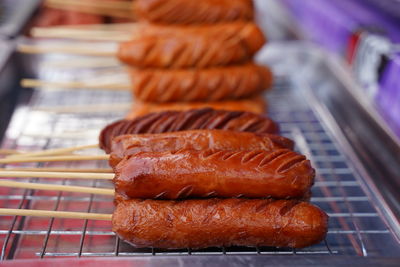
[(355, 225)]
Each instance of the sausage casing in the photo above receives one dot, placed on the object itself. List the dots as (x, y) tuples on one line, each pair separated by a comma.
[(255, 105), (193, 12), (278, 174), (126, 145), (219, 222), (186, 47), (174, 121), (188, 85)]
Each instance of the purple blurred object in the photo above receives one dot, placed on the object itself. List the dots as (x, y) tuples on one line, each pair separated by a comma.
[(323, 22), (388, 98), (331, 23), (390, 7), (360, 28)]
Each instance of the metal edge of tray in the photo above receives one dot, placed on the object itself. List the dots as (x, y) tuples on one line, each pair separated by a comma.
[(22, 12), (374, 150), (211, 261)]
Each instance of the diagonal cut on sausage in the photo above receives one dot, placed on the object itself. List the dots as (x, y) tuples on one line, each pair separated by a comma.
[(192, 47), (174, 121), (193, 12), (278, 174), (188, 85), (219, 222), (126, 145)]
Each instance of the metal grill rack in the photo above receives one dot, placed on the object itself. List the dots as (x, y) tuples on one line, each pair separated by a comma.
[(356, 226)]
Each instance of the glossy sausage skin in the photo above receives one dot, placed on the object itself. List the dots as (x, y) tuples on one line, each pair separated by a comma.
[(211, 84), (174, 121), (219, 222), (277, 174), (193, 12), (255, 105), (203, 47), (126, 145)]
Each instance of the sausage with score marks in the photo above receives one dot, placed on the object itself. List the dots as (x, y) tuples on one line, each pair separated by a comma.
[(126, 145)]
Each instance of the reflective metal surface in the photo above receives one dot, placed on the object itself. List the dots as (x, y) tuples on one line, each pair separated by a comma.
[(362, 226)]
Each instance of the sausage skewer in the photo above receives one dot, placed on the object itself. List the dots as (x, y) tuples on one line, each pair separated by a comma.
[(192, 223), (175, 121), (125, 145), (214, 173), (177, 47), (185, 85)]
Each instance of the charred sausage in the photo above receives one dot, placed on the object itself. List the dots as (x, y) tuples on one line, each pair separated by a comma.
[(174, 121), (219, 222), (195, 139), (212, 84), (214, 173)]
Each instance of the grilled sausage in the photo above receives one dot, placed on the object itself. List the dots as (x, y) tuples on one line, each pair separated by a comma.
[(187, 85), (221, 173), (193, 12), (219, 222), (174, 121), (126, 145), (255, 105), (192, 47)]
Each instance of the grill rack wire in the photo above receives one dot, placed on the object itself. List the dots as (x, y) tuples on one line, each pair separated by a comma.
[(355, 228)]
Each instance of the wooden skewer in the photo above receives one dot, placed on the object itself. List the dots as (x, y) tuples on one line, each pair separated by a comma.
[(82, 34), (96, 4), (9, 152), (101, 62), (99, 170), (77, 50), (54, 158), (56, 214), (126, 26), (57, 187), (115, 5), (66, 175), (31, 83), (57, 151), (115, 107)]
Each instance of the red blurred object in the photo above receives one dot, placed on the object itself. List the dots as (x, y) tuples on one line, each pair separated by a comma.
[(48, 17), (352, 46)]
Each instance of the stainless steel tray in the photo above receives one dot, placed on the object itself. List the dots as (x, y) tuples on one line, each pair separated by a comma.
[(363, 226)]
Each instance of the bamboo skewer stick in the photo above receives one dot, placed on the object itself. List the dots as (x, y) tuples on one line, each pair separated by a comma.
[(57, 151), (56, 214), (57, 187), (82, 34), (54, 158), (114, 107), (101, 62), (125, 26), (81, 170), (77, 50), (29, 83), (9, 152), (125, 6), (66, 175)]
